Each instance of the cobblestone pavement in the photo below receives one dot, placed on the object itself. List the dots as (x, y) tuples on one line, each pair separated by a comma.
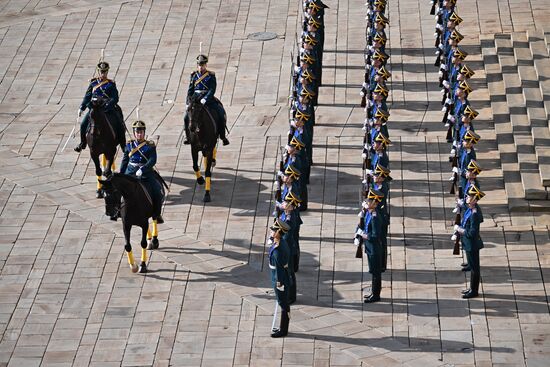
[(67, 296)]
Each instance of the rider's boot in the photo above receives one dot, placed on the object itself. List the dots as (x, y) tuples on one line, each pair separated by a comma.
[(157, 211), (82, 145), (186, 129), (222, 134)]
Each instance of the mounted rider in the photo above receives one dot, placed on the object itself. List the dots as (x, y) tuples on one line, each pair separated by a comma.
[(203, 83), (102, 87), (140, 157)]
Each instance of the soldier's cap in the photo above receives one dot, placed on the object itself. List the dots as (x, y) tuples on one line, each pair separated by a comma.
[(381, 138), (202, 59), (475, 192), (465, 87), (293, 199), (380, 55), (305, 92), (455, 18), (317, 5), (470, 112), (459, 54), (457, 36), (314, 22), (380, 170), (103, 66), (374, 194), (474, 167), (307, 58), (380, 18), (301, 115), (471, 136), (297, 142), (310, 40), (383, 72), (380, 37), (138, 125), (293, 172), (452, 2), (380, 89), (279, 225), (308, 75), (382, 115), (466, 71)]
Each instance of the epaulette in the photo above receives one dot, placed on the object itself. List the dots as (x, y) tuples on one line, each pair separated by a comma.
[(129, 141), (211, 73), (151, 143)]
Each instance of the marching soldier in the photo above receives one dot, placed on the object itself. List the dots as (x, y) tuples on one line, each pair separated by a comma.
[(102, 87), (203, 83), (140, 157)]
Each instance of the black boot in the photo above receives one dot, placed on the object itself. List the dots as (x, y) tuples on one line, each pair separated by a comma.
[(82, 144), (187, 140), (474, 285), (376, 288), (283, 328)]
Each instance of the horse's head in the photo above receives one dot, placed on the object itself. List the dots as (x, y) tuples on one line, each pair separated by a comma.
[(97, 110), (112, 198), (195, 110)]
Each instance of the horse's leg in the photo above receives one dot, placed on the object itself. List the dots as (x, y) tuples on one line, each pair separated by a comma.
[(195, 155), (98, 173), (214, 153), (109, 162), (153, 236), (207, 174), (143, 264), (128, 248)]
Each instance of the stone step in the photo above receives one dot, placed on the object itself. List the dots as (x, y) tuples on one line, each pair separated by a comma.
[(533, 98), (519, 120), (503, 128)]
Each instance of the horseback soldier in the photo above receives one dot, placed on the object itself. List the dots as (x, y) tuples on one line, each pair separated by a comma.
[(203, 82), (140, 156), (102, 87)]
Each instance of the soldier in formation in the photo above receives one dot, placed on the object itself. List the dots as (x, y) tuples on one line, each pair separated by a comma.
[(458, 117), (374, 217)]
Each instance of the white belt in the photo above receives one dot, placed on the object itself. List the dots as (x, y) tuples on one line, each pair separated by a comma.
[(272, 267), (136, 164)]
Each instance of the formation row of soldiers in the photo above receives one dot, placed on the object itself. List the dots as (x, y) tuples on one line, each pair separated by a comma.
[(459, 116), (291, 194), (374, 217)]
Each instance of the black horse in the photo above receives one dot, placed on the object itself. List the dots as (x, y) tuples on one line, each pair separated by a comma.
[(204, 137), (136, 210), (101, 138)]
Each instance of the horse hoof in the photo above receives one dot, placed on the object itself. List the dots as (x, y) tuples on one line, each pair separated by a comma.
[(206, 198), (143, 268), (134, 268), (149, 244), (200, 180), (99, 194), (155, 243)]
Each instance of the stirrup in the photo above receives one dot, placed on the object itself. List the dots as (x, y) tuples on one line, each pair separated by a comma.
[(81, 146)]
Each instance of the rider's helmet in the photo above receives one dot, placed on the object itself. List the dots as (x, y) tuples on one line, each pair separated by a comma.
[(202, 59), (138, 125), (103, 66)]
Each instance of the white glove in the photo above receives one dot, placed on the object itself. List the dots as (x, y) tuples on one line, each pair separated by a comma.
[(362, 94), (203, 101), (453, 237), (356, 241), (368, 172), (444, 109), (365, 236), (186, 106), (440, 73), (364, 155), (460, 230), (277, 185), (453, 151), (456, 227), (364, 128), (280, 287), (452, 118), (80, 112), (460, 202), (139, 173), (455, 169), (446, 84), (456, 210)]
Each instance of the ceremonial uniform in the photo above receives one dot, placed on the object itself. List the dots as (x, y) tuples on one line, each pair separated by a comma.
[(138, 160), (106, 89)]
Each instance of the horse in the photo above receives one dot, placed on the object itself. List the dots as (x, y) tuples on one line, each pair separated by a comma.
[(101, 138), (136, 210), (204, 137)]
